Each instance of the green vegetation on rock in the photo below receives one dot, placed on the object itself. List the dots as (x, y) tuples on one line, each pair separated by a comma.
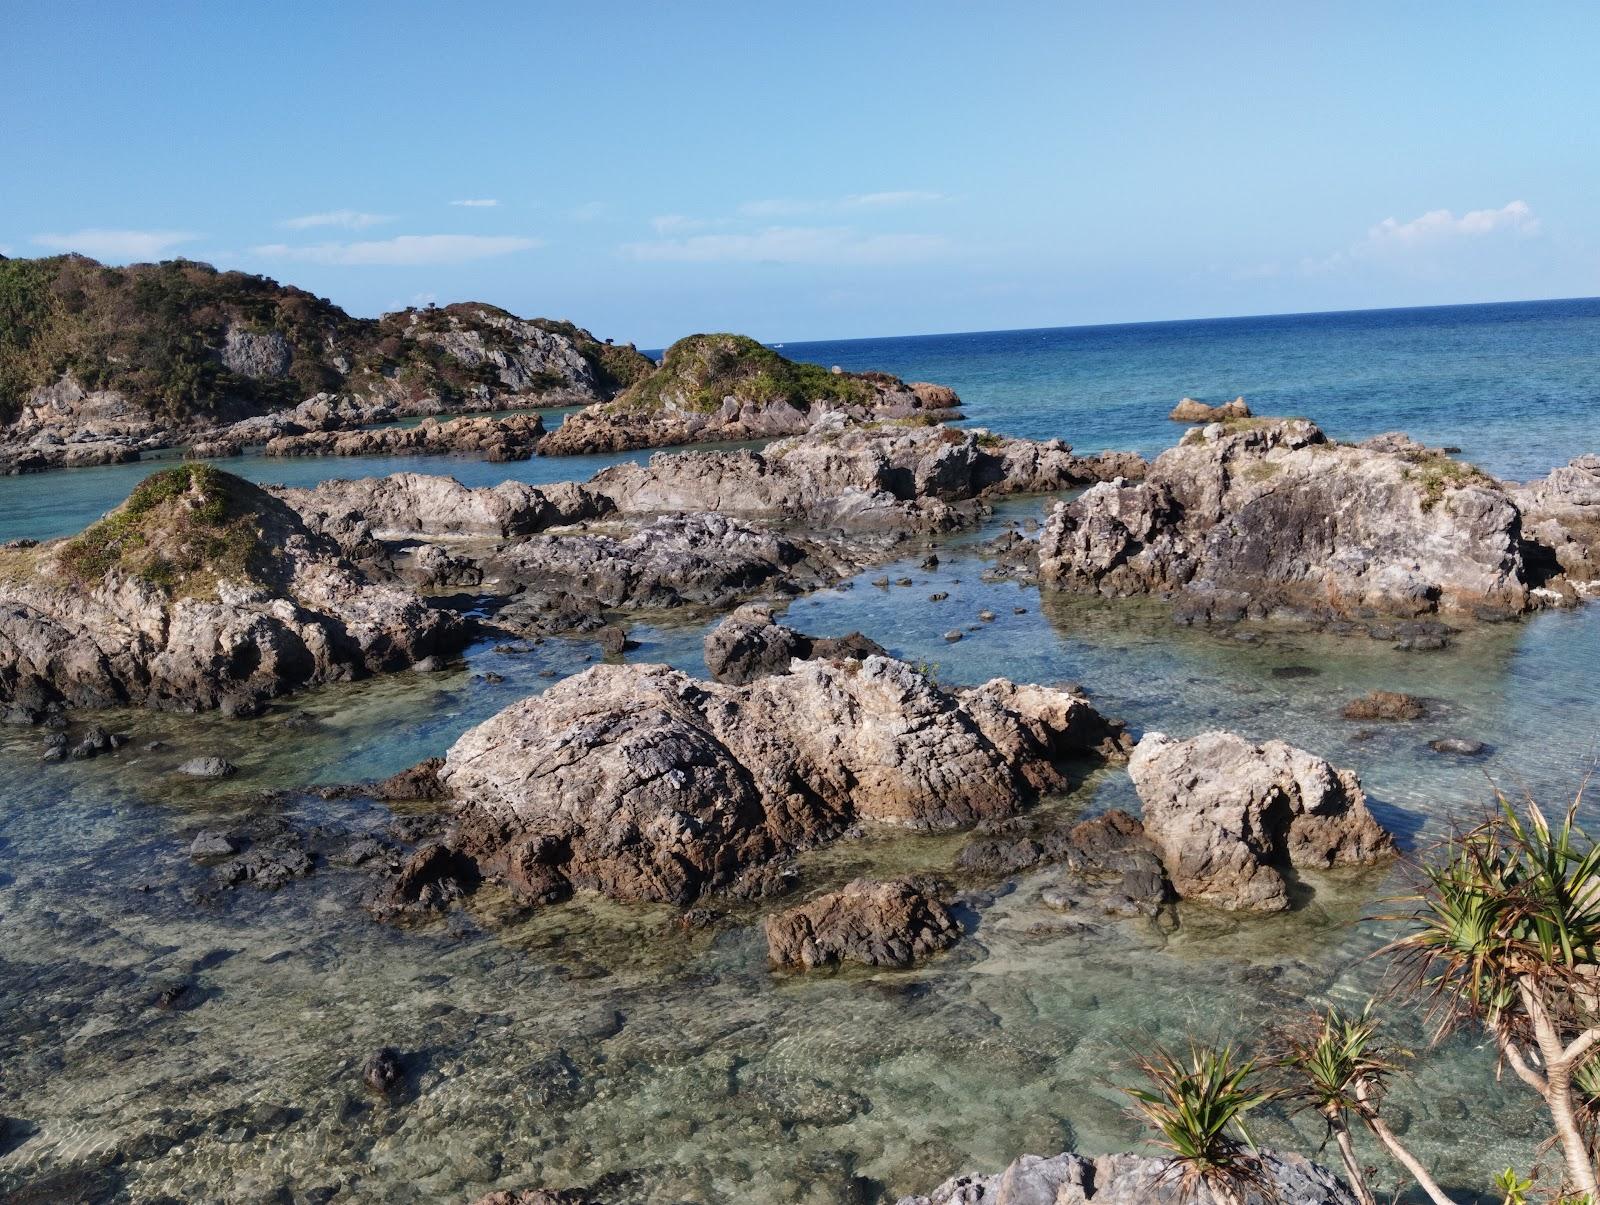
[(698, 372), (183, 530)]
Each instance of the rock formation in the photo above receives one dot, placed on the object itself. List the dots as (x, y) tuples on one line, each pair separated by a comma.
[(1561, 513), (1071, 1179), (1267, 517), (643, 783), (1228, 816), (103, 363), (200, 591), (711, 387), (890, 924), (750, 643), (1191, 411), (495, 439)]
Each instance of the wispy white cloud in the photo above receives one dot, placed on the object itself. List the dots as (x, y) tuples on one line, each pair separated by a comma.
[(116, 244), (346, 219), (478, 203), (1516, 218), (791, 207), (830, 245), (1425, 238), (405, 249)]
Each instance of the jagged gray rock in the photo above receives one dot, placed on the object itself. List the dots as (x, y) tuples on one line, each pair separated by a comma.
[(644, 783), (513, 437), (750, 643), (1071, 1179), (1228, 816), (1267, 517)]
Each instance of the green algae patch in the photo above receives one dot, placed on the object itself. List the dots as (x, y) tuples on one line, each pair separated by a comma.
[(1436, 475), (698, 372), (182, 530)]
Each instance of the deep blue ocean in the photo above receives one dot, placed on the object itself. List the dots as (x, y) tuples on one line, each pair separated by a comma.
[(1516, 385)]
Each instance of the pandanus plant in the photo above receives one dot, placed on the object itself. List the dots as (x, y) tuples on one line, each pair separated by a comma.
[(1198, 1105), (1338, 1068), (1505, 932)]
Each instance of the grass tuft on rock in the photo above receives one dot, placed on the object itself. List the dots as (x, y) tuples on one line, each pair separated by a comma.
[(181, 530)]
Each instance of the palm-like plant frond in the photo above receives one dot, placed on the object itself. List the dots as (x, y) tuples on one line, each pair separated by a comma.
[(1333, 1055)]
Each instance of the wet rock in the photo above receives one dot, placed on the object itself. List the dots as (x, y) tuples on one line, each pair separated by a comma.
[(938, 596), (535, 1196), (1070, 1179), (644, 783), (419, 782), (268, 866), (384, 1071), (750, 643), (1291, 672), (953, 635), (1384, 705), (208, 767), (429, 665), (891, 924), (930, 562), (430, 880), (1458, 746), (1228, 816), (612, 639), (1234, 523), (208, 844), (986, 616)]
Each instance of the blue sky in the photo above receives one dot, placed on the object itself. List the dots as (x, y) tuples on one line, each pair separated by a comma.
[(820, 170)]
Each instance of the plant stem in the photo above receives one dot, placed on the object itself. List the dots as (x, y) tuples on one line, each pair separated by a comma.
[(1559, 1064), (1405, 1158), (1347, 1151)]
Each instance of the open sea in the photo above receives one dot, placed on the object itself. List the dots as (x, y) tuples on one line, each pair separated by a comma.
[(600, 1045)]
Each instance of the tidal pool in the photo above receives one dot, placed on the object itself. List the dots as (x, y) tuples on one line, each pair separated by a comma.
[(603, 1045)]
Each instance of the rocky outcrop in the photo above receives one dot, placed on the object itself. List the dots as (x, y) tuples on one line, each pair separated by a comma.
[(1229, 817), (643, 783), (889, 924), (495, 439), (1070, 1179), (711, 387), (750, 643), (1267, 517), (1561, 520), (915, 478), (1191, 411), (114, 361), (200, 591)]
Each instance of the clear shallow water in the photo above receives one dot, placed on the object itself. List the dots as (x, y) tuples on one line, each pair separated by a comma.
[(599, 1044)]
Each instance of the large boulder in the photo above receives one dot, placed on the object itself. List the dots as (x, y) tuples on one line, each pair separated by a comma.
[(750, 643), (199, 590), (887, 924), (1261, 517), (1228, 816), (1070, 1179), (1189, 410), (1561, 514), (721, 386), (644, 783)]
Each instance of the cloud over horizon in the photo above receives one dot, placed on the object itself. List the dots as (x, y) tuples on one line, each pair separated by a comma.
[(116, 244), (347, 219), (837, 246), (481, 203), (1398, 243), (403, 250)]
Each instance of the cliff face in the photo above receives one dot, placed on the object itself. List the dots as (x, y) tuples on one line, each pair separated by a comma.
[(95, 354)]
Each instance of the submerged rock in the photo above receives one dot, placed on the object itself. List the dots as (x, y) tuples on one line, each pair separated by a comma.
[(383, 1071), (208, 767), (1384, 705), (199, 589), (429, 880), (889, 924), (1228, 816), (750, 643), (1070, 1179), (1458, 746), (641, 782), (1255, 518)]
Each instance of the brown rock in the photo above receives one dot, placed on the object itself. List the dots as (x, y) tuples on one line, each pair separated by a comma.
[(1191, 411), (1384, 705), (876, 924)]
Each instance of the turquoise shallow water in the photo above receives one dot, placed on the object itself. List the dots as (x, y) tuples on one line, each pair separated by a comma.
[(599, 1044)]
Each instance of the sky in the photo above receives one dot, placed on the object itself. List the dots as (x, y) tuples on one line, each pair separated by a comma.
[(827, 170)]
